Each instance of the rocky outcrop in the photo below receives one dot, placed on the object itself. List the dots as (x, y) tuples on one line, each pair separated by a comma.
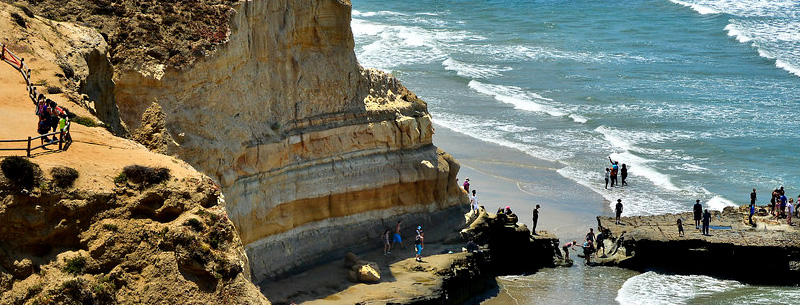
[(768, 253), (513, 249), (135, 244), (316, 154)]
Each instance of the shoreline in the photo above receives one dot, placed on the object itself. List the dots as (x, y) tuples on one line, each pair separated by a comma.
[(499, 175)]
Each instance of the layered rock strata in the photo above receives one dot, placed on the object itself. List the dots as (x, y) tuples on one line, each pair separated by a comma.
[(768, 253), (315, 153)]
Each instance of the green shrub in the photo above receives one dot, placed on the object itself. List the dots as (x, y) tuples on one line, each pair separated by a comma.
[(25, 10), (88, 122), (54, 90), (145, 175), (68, 71), (63, 176), (75, 265), (19, 19), (195, 224), (121, 178), (21, 171), (110, 227)]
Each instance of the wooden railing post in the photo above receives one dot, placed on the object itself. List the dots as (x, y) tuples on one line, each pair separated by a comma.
[(29, 147), (60, 137), (3, 55)]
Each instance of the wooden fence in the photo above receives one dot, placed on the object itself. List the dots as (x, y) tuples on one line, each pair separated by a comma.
[(64, 137)]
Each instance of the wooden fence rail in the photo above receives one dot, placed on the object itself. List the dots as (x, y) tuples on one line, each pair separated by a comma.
[(64, 137)]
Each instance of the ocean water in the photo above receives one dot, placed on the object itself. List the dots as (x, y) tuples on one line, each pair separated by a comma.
[(700, 98)]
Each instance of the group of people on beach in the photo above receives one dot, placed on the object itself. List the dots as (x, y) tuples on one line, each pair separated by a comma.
[(616, 171), (780, 206), (51, 117), (390, 241)]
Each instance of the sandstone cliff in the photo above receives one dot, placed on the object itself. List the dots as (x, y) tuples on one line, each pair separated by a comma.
[(315, 153)]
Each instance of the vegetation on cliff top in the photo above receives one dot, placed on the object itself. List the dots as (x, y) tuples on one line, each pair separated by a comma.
[(174, 33)]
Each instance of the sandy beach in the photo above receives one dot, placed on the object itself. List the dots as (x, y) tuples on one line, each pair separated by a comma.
[(502, 177)]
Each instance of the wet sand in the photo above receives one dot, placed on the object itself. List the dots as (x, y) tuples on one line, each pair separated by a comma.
[(503, 177)]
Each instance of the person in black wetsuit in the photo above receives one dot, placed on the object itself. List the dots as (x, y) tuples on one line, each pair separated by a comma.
[(753, 197)]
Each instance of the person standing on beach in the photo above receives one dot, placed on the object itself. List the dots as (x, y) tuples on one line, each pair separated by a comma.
[(753, 197), (698, 213), (752, 211), (782, 209), (618, 209), (608, 173), (473, 202), (680, 228), (789, 211), (614, 170), (397, 239), (706, 222), (466, 185), (624, 173), (419, 243), (386, 239), (535, 219)]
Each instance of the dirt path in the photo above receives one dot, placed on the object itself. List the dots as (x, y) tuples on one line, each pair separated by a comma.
[(96, 154)]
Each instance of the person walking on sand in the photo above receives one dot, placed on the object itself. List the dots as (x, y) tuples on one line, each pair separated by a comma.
[(473, 202), (680, 228), (618, 210), (706, 222), (386, 239), (535, 219), (466, 185), (397, 239), (419, 243), (566, 247), (608, 173), (698, 213), (624, 172), (753, 197)]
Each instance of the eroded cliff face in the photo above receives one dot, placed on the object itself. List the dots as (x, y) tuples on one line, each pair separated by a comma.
[(315, 153)]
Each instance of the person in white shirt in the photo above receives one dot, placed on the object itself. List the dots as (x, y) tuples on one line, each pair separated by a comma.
[(473, 201)]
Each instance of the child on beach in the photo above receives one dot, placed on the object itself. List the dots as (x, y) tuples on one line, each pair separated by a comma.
[(386, 239), (680, 228), (790, 211)]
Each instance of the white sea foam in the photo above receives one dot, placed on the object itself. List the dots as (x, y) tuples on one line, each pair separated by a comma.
[(651, 288), (356, 13), (788, 67), (717, 203), (736, 32), (518, 97), (578, 118), (702, 9), (473, 70)]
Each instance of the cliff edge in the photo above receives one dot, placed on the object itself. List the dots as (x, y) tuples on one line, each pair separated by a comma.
[(316, 155)]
